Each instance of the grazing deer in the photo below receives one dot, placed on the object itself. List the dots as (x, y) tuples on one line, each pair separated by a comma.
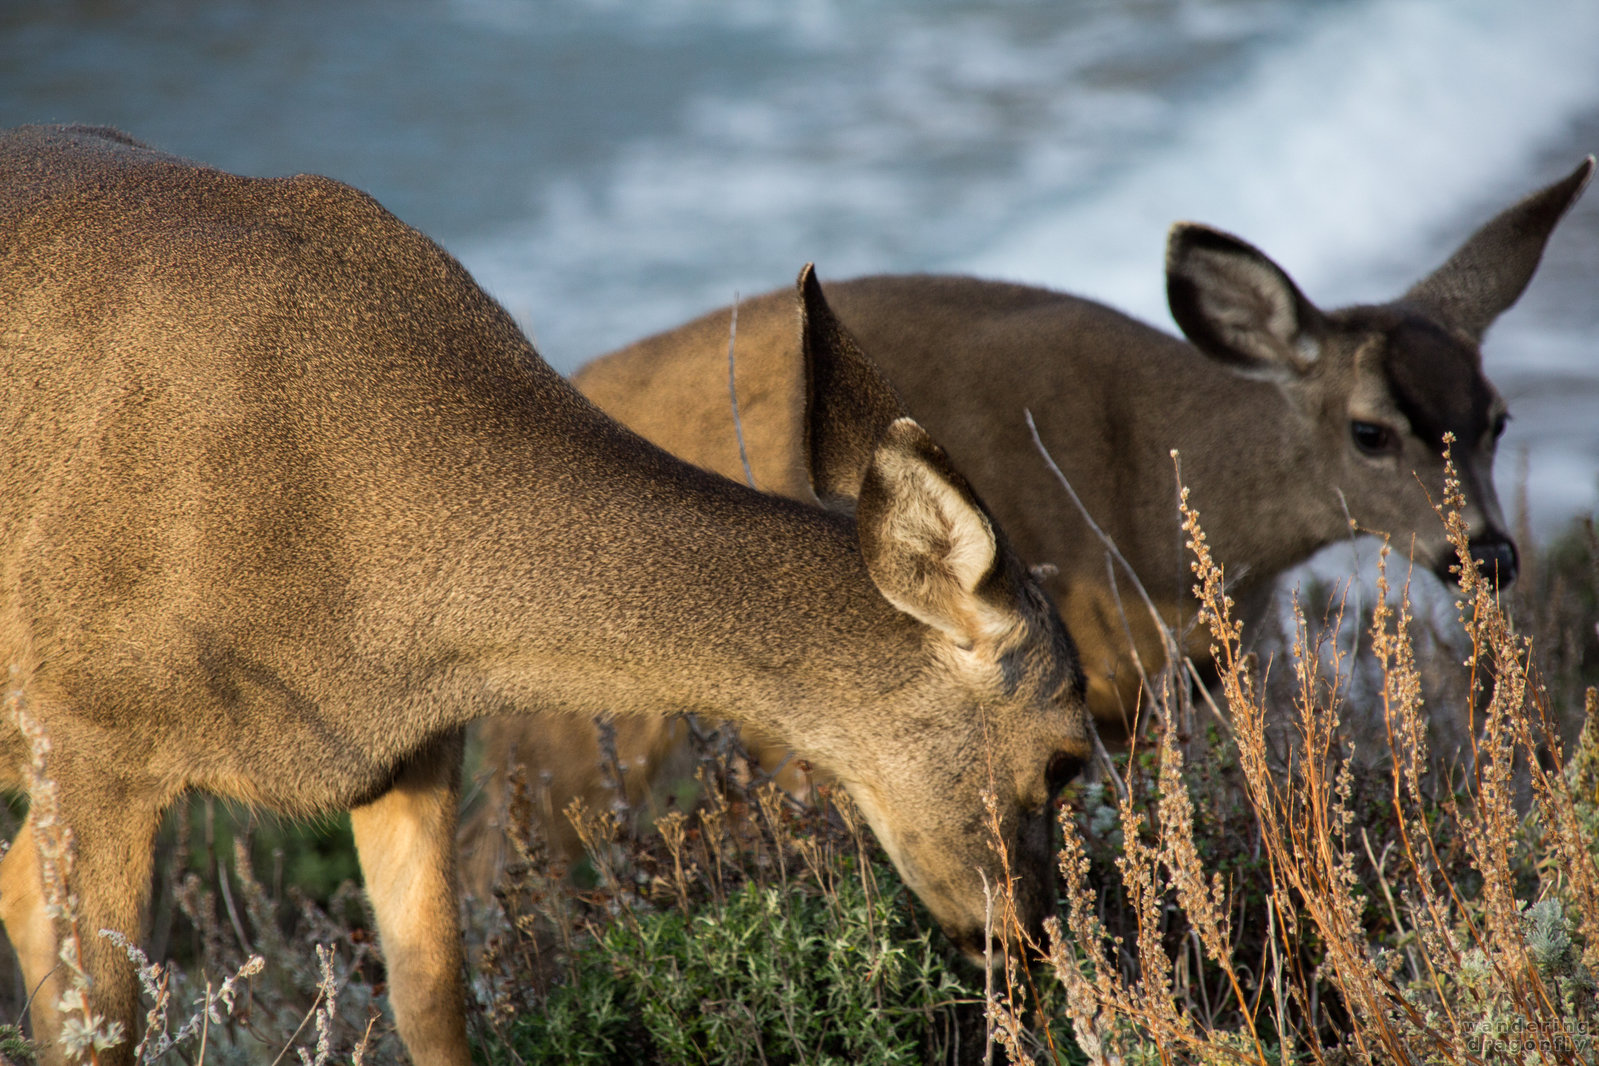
[(288, 500), (1290, 421)]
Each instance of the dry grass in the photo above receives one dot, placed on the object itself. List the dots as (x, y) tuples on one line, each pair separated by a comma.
[(1429, 913)]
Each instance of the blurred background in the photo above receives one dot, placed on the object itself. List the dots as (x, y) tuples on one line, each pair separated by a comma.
[(608, 168)]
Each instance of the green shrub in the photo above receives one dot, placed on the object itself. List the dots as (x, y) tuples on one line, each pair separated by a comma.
[(769, 974), (769, 934)]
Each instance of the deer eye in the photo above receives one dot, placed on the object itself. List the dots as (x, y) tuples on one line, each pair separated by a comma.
[(1061, 769), (1373, 438)]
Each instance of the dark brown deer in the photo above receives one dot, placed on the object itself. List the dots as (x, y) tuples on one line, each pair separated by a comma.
[(1290, 421), (288, 500)]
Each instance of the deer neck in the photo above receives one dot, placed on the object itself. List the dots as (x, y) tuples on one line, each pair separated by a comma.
[(635, 584)]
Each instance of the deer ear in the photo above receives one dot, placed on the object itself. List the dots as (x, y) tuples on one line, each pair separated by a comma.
[(1238, 306), (1491, 270), (927, 540), (848, 402)]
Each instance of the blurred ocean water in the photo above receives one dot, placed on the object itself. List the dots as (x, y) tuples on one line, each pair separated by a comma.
[(611, 167)]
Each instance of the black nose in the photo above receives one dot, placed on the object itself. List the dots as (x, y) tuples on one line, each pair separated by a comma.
[(1495, 557)]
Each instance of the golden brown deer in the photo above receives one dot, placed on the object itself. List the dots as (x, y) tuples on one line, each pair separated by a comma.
[(288, 500), (1290, 421)]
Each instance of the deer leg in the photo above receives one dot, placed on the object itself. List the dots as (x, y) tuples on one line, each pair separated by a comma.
[(113, 831), (114, 867), (32, 935), (406, 841)]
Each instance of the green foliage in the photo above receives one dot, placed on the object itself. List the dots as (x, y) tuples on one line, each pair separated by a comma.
[(772, 974), (14, 1046), (317, 857)]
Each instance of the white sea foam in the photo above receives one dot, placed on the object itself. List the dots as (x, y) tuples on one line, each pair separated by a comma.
[(1341, 153), (892, 145), (1354, 142)]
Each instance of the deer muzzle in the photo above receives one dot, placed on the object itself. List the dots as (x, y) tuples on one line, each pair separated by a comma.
[(1495, 556)]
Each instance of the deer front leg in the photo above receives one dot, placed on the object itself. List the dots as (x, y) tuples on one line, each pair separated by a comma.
[(406, 841), (32, 935), (113, 841)]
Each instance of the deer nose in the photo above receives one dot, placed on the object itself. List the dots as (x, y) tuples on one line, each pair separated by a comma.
[(1496, 559), (1495, 556)]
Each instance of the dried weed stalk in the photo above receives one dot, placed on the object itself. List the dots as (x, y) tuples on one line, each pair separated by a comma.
[(1425, 921)]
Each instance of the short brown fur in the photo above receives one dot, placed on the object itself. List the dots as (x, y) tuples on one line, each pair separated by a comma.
[(286, 501)]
